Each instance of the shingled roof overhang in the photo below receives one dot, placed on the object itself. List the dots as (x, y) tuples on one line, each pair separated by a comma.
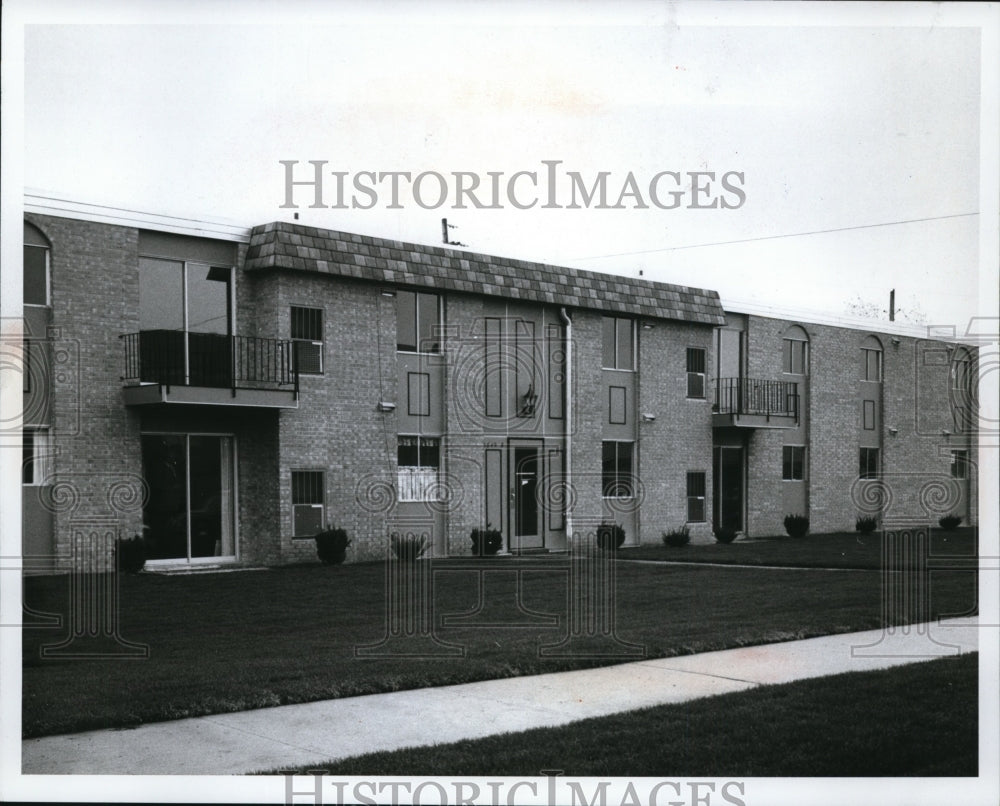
[(281, 245)]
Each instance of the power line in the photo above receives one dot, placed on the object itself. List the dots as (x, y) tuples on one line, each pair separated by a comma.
[(774, 237)]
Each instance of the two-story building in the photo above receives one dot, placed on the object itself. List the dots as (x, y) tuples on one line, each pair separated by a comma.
[(230, 391)]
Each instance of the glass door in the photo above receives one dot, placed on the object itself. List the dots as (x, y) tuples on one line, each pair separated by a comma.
[(526, 518), (189, 513), (727, 488)]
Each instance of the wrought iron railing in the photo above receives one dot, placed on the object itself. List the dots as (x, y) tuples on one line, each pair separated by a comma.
[(753, 396), (179, 358)]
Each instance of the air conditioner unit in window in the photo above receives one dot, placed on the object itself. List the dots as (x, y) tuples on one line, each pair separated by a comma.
[(309, 357), (307, 519)]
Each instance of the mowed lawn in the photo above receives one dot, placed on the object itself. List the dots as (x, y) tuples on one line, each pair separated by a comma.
[(232, 641), (954, 549), (919, 720)]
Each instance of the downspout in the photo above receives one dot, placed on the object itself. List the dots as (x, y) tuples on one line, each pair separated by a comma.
[(568, 420)]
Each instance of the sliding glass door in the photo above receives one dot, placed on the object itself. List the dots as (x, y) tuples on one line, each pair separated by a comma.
[(189, 513)]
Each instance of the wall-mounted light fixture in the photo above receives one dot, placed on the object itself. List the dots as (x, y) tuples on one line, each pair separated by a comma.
[(385, 405), (893, 431), (528, 402), (648, 325), (388, 292), (945, 432), (648, 418), (895, 342)]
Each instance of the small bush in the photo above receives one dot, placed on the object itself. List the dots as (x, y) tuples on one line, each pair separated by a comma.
[(331, 545), (724, 535), (408, 547), (131, 554), (796, 525), (677, 537), (610, 536), (865, 524), (949, 522), (486, 542)]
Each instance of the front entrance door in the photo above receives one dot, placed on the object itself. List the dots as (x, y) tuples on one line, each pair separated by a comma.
[(189, 513), (527, 530), (727, 488)]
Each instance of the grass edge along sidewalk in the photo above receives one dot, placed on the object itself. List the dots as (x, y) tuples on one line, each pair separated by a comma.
[(920, 719)]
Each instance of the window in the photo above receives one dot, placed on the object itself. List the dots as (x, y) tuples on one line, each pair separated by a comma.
[(872, 364), (36, 455), (307, 502), (36, 267), (868, 415), (960, 464), (418, 460), (793, 463), (618, 343), (868, 467), (695, 372), (418, 319), (307, 334), (696, 497), (616, 469), (796, 358), (36, 275), (26, 345)]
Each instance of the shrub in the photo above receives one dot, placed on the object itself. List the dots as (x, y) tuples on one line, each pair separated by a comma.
[(724, 535), (949, 522), (131, 554), (677, 537), (408, 547), (331, 545), (610, 536), (486, 542), (796, 525), (865, 523)]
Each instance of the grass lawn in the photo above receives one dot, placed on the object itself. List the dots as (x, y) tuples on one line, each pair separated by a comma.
[(956, 548), (919, 720), (233, 641)]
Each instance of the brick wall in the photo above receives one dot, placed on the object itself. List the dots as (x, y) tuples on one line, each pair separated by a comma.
[(680, 438), (95, 297), (916, 405)]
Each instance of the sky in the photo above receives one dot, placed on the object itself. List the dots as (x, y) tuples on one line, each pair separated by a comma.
[(856, 133)]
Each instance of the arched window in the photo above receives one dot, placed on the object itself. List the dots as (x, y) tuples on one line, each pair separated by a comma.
[(36, 266), (871, 359), (795, 344)]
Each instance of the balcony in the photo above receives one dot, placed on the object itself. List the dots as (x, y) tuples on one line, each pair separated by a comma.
[(175, 366), (755, 403)]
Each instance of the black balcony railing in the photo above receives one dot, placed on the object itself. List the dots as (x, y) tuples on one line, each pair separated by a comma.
[(178, 358), (752, 396)]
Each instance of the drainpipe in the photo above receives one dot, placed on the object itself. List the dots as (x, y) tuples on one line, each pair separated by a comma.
[(568, 418)]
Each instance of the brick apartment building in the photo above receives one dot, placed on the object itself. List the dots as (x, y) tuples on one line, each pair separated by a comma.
[(232, 391)]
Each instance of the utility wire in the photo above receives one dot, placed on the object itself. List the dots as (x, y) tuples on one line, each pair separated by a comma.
[(774, 237)]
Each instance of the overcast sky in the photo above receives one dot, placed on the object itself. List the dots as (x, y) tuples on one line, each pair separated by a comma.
[(842, 125)]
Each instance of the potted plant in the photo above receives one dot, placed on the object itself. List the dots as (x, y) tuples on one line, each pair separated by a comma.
[(796, 525), (331, 545), (610, 536), (677, 537), (131, 554), (724, 534), (409, 547), (486, 542)]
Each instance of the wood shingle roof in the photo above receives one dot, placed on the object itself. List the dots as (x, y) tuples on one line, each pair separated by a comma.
[(283, 245)]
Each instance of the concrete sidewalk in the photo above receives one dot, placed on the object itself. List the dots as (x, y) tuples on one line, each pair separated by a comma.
[(312, 733)]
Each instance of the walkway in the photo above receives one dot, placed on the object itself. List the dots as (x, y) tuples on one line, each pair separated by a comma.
[(311, 733)]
